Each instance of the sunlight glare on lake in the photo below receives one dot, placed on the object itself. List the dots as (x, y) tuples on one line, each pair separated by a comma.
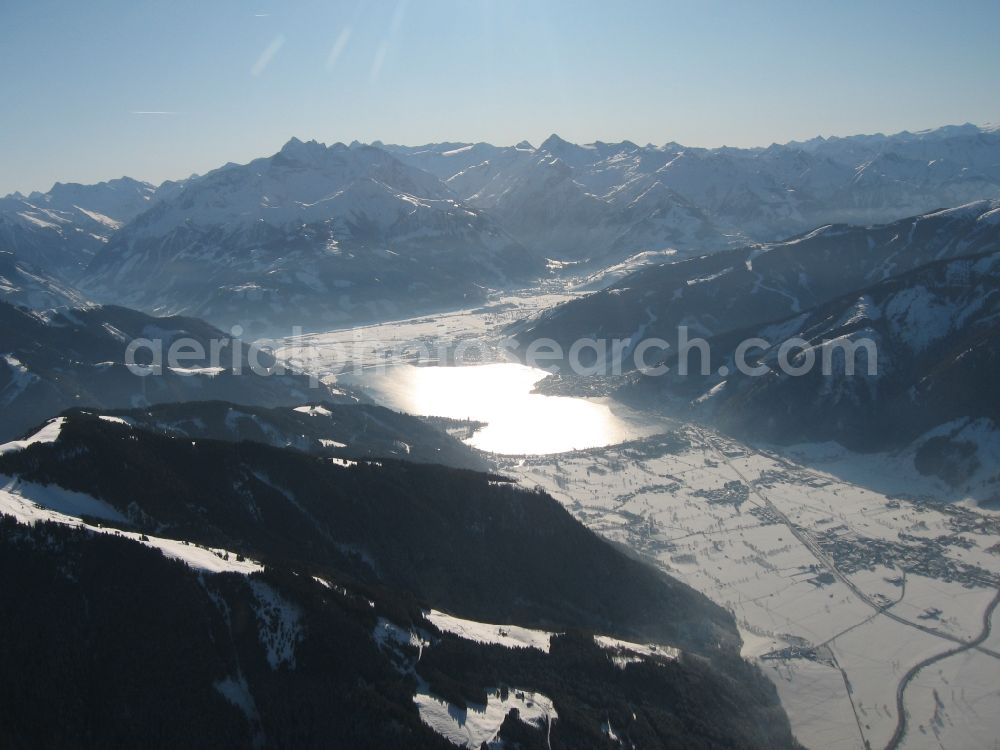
[(518, 421)]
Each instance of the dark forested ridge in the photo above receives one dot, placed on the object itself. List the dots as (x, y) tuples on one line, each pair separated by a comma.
[(464, 540), (104, 643), (108, 643), (348, 431), (56, 360)]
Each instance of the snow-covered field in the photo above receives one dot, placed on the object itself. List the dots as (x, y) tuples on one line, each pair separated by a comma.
[(426, 338), (840, 589)]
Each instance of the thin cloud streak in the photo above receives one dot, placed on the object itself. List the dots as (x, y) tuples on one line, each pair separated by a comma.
[(338, 46), (267, 55), (383, 48), (380, 53), (397, 17)]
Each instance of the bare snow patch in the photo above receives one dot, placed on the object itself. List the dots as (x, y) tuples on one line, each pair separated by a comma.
[(711, 392), (710, 277), (30, 503), (100, 218), (863, 309), (388, 634), (626, 652), (314, 411), (48, 434), (920, 316), (210, 372), (511, 636), (478, 724)]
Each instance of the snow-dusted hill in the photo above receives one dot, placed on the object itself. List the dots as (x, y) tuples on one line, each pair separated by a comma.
[(381, 605), (757, 284), (931, 362)]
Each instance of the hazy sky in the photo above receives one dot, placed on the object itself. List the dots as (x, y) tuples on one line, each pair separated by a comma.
[(159, 89)]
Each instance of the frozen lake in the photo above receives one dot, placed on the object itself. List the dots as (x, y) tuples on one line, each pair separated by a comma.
[(518, 421)]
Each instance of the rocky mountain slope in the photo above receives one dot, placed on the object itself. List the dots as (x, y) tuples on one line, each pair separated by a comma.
[(24, 285)]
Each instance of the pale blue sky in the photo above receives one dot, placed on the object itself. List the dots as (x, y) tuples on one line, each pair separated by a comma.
[(237, 78)]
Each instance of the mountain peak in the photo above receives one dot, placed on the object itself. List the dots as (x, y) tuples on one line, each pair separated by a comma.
[(554, 142), (297, 149)]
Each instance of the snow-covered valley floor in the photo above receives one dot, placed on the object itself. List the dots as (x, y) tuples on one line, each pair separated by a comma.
[(842, 593), (425, 338)]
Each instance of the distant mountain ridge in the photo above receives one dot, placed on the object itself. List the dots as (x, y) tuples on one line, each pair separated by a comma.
[(61, 230), (324, 236), (718, 197)]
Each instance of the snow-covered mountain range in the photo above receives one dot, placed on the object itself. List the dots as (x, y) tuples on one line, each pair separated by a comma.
[(609, 200), (326, 236), (568, 202), (312, 235), (330, 569)]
